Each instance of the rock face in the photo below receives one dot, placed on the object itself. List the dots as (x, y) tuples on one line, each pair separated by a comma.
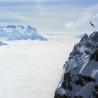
[(12, 32), (80, 79)]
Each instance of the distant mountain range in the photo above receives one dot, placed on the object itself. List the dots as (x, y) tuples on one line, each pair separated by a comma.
[(20, 32)]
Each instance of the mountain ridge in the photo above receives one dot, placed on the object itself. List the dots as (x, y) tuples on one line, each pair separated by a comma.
[(80, 78), (20, 32)]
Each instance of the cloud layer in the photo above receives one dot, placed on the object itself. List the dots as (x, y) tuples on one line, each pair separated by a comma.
[(82, 23), (53, 16)]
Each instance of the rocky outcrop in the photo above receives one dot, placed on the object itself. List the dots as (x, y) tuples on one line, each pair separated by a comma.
[(80, 78)]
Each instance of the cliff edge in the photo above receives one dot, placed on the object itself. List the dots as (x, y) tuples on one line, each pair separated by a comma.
[(80, 78)]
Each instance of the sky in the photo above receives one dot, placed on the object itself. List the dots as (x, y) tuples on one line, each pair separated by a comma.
[(51, 16)]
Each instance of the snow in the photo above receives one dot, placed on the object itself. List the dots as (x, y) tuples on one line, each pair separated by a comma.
[(32, 69), (95, 73), (12, 32)]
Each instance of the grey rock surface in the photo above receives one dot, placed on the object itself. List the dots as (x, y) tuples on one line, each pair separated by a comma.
[(80, 78)]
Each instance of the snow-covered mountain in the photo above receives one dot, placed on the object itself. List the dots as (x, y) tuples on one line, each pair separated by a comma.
[(80, 78), (12, 32)]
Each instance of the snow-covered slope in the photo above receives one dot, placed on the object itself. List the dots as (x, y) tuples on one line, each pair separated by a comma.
[(80, 78), (12, 32)]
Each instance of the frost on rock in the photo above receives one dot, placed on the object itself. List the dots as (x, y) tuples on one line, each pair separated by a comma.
[(12, 32), (80, 79)]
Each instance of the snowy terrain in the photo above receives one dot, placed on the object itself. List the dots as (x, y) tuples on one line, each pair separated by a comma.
[(20, 32), (32, 69)]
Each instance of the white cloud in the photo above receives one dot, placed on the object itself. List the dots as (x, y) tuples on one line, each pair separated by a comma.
[(82, 24)]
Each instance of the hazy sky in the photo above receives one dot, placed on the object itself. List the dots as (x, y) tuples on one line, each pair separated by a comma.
[(51, 16)]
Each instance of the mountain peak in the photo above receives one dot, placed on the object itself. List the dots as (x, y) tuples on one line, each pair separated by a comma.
[(80, 78)]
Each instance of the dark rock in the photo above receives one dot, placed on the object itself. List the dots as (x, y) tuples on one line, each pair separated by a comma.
[(83, 39), (80, 79)]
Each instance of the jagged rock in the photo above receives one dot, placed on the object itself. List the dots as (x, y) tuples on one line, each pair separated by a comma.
[(80, 79), (94, 36), (83, 39)]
